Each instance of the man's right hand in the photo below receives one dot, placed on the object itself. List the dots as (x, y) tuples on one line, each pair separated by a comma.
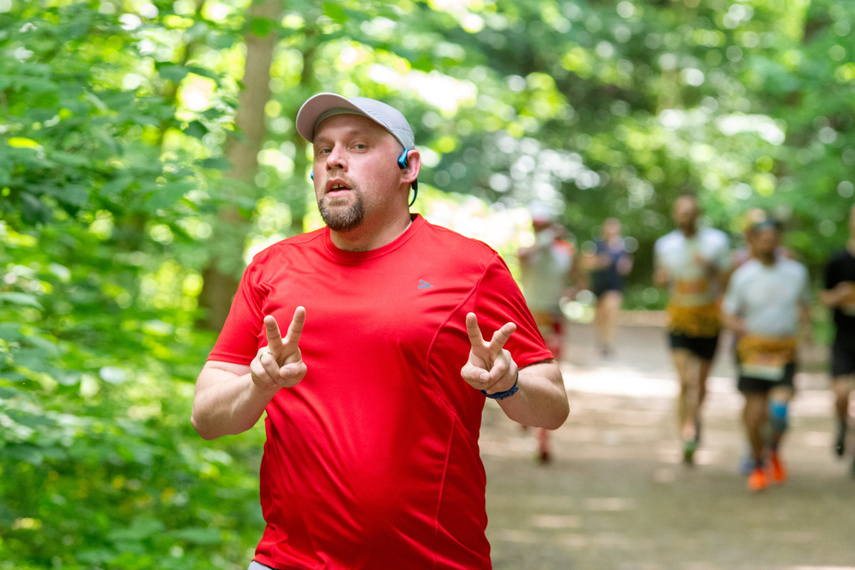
[(661, 277), (280, 364)]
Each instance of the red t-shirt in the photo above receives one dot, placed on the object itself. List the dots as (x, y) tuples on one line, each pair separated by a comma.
[(372, 460)]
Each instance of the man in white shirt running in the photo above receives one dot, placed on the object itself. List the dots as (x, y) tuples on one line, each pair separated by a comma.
[(766, 301), (693, 262)]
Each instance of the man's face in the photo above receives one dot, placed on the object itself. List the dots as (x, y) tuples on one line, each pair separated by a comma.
[(611, 228), (538, 225), (356, 176), (685, 212), (766, 241)]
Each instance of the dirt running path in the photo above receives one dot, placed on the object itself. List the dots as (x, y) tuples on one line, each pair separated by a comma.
[(617, 497)]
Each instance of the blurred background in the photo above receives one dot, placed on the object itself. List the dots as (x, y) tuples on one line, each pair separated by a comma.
[(148, 150)]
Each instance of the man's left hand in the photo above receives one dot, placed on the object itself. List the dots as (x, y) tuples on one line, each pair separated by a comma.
[(490, 366)]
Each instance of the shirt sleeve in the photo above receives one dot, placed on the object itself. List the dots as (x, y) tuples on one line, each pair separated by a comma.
[(238, 341), (804, 297), (724, 260), (657, 254), (498, 301), (732, 302)]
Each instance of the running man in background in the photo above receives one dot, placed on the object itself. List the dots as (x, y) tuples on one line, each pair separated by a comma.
[(839, 295), (548, 269), (609, 265), (767, 300), (741, 255), (693, 262)]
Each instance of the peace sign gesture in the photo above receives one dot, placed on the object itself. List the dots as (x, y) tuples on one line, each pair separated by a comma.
[(280, 364), (490, 366)]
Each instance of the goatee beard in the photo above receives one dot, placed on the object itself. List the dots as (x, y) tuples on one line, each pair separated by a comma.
[(344, 219)]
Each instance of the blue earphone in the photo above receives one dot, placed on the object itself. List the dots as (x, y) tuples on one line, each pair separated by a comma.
[(402, 160), (403, 163)]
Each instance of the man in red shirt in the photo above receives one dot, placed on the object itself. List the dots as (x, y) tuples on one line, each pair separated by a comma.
[(374, 394)]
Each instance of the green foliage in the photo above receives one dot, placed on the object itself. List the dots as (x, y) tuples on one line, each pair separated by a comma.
[(115, 122), (100, 467), (100, 270)]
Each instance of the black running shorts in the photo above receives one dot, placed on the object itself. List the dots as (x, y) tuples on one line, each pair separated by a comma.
[(702, 346), (842, 359), (762, 385)]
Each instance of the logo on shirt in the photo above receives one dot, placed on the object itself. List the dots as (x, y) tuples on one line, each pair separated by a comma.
[(424, 284)]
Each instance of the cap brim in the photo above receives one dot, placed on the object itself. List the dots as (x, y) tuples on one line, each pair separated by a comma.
[(314, 107)]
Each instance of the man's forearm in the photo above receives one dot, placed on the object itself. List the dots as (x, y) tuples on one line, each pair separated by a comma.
[(831, 298), (661, 278), (541, 400), (227, 402), (734, 323)]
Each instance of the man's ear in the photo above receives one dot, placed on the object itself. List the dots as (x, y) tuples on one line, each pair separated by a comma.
[(413, 164)]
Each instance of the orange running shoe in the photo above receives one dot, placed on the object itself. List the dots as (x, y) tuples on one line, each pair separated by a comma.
[(779, 471), (757, 481)]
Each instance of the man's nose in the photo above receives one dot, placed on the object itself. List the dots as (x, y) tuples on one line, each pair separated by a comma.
[(336, 158)]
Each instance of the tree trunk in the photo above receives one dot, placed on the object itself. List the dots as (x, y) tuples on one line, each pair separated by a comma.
[(297, 195), (221, 277)]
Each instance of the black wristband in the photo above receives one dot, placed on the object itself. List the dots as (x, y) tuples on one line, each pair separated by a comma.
[(506, 393)]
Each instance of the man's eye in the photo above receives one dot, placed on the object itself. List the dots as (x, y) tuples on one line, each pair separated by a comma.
[(360, 146)]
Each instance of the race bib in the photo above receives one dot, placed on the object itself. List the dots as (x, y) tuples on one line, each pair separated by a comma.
[(692, 286), (765, 358), (765, 365), (692, 292)]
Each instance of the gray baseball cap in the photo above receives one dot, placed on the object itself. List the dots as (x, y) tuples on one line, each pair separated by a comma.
[(325, 105)]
